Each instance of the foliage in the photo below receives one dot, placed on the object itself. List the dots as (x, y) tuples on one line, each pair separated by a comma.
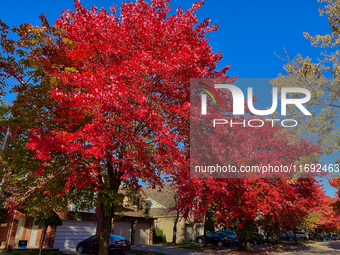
[(51, 219), (283, 201), (3, 193), (157, 235), (103, 100), (310, 222), (321, 78), (3, 209), (45, 220), (210, 220), (328, 220)]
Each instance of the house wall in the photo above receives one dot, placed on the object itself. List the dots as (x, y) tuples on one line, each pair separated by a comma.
[(133, 220), (51, 231), (166, 224), (13, 228), (4, 226)]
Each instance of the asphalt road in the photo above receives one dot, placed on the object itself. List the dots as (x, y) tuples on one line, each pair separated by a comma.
[(167, 250), (324, 248), (327, 248)]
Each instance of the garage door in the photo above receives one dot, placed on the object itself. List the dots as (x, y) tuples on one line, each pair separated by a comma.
[(142, 234), (123, 228), (188, 232), (71, 233)]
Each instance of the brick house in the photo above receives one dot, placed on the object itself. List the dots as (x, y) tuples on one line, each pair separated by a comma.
[(133, 225)]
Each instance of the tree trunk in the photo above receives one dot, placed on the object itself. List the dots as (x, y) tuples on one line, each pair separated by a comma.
[(294, 231), (205, 237), (174, 232), (267, 234), (243, 240), (205, 230), (43, 233), (107, 214), (277, 235), (105, 230)]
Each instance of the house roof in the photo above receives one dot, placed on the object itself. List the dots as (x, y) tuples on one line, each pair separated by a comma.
[(133, 212), (164, 197)]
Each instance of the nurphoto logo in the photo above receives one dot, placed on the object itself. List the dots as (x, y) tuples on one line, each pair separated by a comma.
[(235, 133), (238, 100)]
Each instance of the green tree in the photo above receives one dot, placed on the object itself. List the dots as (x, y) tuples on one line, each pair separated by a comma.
[(322, 79), (50, 220), (3, 193)]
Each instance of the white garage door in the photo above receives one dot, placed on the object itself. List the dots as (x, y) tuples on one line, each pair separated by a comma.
[(123, 228), (142, 234), (71, 233)]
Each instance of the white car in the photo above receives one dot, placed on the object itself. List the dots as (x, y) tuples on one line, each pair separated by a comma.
[(301, 235)]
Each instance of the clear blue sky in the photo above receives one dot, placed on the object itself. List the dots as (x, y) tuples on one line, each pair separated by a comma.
[(250, 31)]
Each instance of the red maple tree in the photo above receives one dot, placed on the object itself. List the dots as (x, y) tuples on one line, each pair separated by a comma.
[(329, 218), (284, 201), (114, 92)]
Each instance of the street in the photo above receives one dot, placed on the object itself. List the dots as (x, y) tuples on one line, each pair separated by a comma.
[(329, 248)]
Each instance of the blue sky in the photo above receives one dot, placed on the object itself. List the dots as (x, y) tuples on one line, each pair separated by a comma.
[(250, 33)]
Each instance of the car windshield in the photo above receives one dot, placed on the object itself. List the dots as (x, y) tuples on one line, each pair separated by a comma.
[(116, 238)]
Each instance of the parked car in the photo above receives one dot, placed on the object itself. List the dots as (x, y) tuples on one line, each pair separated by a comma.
[(232, 235), (301, 235), (117, 245), (336, 237), (311, 236), (288, 236), (332, 236), (215, 238), (321, 237), (256, 239)]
